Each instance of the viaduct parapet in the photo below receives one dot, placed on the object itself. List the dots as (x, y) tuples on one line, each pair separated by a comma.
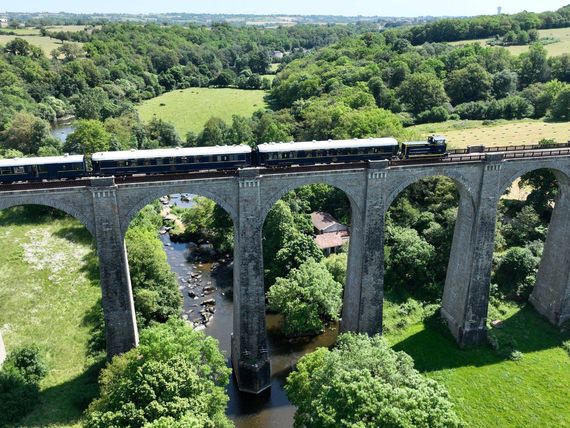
[(106, 207)]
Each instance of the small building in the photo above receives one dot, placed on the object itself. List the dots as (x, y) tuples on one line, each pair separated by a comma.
[(326, 223), (3, 22), (330, 235), (277, 55)]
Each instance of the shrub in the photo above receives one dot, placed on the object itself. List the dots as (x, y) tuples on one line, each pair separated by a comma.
[(362, 382), (28, 362), (566, 346), (307, 297), (175, 374), (515, 273)]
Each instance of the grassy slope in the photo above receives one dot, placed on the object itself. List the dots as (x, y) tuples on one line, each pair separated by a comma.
[(463, 133), (490, 390), (553, 49), (48, 288), (45, 43), (189, 109)]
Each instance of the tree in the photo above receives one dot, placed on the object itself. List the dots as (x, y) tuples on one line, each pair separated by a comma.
[(240, 131), (362, 382), (526, 226), (155, 287), (515, 272), (561, 105), (409, 259), (471, 83), (26, 133), (534, 65), (504, 83), (421, 92), (365, 123), (89, 136), (215, 133), (307, 297), (162, 132), (175, 374)]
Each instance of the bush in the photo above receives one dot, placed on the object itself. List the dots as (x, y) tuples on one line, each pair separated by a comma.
[(17, 397), (566, 346), (364, 383), (307, 297), (28, 362), (175, 374), (515, 272), (23, 369)]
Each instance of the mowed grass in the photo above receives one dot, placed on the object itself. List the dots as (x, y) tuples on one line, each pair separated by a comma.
[(463, 133), (189, 109), (553, 49), (487, 388), (49, 293)]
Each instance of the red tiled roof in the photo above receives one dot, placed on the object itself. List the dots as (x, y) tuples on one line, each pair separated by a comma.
[(330, 240), (322, 220)]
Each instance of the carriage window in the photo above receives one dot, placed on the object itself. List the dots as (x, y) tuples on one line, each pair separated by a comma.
[(19, 170), (375, 149), (5, 171)]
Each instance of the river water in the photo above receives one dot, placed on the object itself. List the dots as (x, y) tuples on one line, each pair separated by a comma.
[(271, 408)]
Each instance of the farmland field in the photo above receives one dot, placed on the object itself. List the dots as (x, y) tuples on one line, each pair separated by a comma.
[(553, 49), (463, 133), (189, 109), (45, 43)]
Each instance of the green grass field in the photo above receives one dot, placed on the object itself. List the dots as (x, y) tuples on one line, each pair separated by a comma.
[(487, 388), (553, 49), (189, 109), (45, 43), (48, 292), (463, 133)]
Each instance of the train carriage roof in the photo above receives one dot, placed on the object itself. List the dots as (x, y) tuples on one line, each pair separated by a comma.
[(171, 153), (48, 160), (324, 145)]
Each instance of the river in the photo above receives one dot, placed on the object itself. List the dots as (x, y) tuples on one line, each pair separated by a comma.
[(271, 408)]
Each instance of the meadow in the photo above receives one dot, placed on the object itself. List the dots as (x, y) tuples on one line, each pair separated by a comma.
[(553, 49), (49, 296), (463, 133), (189, 109), (487, 388), (45, 43)]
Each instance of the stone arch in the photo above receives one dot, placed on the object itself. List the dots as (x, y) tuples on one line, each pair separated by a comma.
[(562, 176), (66, 205), (459, 180), (354, 194), (153, 194)]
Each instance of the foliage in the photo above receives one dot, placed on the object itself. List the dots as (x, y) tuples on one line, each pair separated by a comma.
[(20, 375), (363, 382), (155, 287), (88, 136), (307, 297), (515, 272), (175, 373), (28, 362), (526, 226)]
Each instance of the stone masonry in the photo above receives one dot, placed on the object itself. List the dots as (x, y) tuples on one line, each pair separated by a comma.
[(106, 209)]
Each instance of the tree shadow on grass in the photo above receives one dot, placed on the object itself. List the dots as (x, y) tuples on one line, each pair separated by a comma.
[(64, 404), (435, 349)]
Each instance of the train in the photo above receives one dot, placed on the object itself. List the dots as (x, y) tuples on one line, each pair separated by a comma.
[(221, 158)]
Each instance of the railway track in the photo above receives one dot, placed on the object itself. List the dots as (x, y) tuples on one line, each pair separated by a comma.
[(455, 156)]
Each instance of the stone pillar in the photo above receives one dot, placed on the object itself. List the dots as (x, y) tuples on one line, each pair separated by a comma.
[(250, 359), (466, 294), (117, 297), (364, 293), (551, 294)]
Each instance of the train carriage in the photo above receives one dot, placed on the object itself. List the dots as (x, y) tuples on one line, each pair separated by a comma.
[(172, 160), (42, 168), (324, 152)]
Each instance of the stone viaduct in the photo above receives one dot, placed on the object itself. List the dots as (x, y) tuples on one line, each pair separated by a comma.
[(106, 208)]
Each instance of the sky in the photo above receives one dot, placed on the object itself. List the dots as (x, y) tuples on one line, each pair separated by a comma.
[(293, 7)]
